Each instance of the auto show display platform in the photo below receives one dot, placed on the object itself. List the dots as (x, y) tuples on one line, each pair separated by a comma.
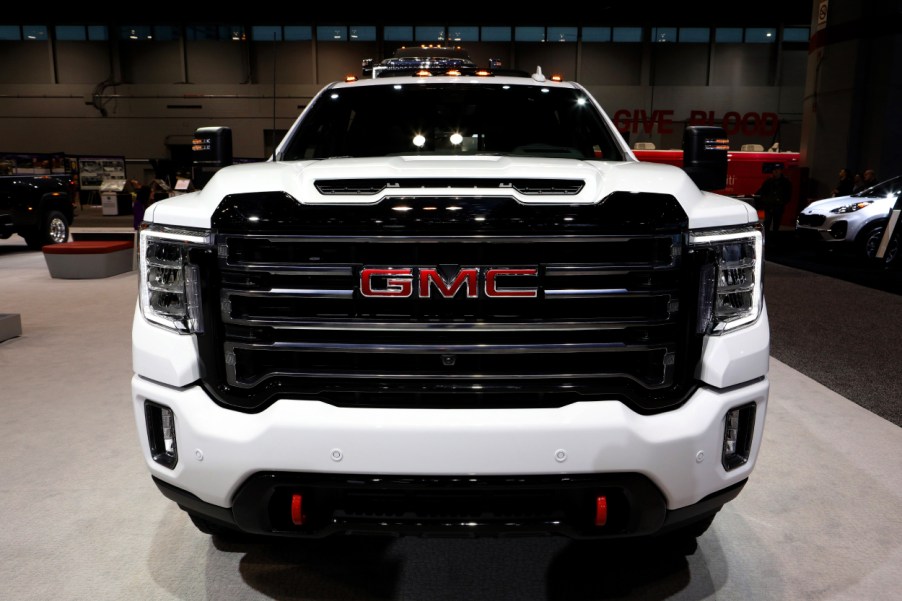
[(86, 259), (819, 518)]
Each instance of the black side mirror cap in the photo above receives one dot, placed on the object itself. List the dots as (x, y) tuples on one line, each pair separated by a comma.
[(705, 156)]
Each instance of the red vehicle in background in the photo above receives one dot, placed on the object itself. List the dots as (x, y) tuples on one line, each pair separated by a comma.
[(746, 171)]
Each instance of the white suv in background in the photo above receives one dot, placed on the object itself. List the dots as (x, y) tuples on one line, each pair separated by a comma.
[(859, 218)]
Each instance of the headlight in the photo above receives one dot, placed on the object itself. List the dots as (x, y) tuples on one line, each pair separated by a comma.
[(852, 207), (730, 294), (170, 284)]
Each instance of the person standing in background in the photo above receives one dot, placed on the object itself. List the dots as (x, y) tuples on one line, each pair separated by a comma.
[(844, 185), (144, 197), (870, 179), (773, 196)]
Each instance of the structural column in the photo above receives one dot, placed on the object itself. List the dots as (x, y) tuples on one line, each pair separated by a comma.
[(852, 111)]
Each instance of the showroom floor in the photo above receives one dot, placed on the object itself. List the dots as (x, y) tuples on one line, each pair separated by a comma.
[(819, 518)]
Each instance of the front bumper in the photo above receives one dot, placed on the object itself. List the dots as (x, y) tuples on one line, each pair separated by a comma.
[(833, 229), (678, 453), (455, 506)]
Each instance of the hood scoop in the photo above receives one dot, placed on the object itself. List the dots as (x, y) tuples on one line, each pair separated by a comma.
[(368, 187)]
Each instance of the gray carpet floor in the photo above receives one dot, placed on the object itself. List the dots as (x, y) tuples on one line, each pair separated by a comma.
[(819, 519)]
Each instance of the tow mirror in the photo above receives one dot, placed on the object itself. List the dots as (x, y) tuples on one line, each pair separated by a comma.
[(705, 156), (211, 150)]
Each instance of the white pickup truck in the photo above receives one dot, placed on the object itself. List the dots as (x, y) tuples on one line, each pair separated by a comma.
[(452, 302)]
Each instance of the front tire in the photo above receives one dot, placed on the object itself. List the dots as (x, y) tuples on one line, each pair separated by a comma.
[(871, 243), (54, 229), (220, 531)]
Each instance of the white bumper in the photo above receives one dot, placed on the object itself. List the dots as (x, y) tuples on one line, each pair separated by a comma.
[(680, 450)]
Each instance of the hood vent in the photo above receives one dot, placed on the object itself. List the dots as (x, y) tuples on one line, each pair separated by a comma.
[(531, 187)]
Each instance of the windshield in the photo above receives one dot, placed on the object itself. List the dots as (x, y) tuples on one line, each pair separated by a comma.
[(890, 187), (453, 119)]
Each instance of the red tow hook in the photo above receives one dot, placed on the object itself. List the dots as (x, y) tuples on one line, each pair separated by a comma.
[(601, 511), (297, 515)]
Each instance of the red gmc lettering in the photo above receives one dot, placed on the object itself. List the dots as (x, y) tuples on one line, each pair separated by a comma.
[(398, 283), (467, 275), (396, 287), (492, 289)]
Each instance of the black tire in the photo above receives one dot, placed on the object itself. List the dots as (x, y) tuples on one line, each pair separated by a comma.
[(870, 242), (696, 529), (220, 531), (683, 540), (54, 229)]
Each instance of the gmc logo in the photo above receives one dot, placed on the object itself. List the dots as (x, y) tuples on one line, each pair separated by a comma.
[(404, 282)]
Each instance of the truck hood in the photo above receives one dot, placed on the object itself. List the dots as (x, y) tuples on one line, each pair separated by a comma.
[(352, 181)]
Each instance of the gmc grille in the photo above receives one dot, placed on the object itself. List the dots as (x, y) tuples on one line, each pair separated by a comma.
[(610, 320)]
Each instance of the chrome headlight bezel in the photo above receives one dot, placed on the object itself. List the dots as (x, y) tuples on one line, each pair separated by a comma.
[(730, 291), (169, 286)]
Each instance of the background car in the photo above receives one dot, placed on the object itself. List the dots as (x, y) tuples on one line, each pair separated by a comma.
[(37, 207), (857, 219)]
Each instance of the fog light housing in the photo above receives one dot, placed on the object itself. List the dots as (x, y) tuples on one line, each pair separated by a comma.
[(839, 229), (161, 434), (739, 426)]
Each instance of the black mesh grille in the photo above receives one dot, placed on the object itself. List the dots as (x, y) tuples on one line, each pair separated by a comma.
[(450, 505), (609, 317), (811, 220)]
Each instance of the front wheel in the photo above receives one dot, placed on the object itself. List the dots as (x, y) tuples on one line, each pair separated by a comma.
[(54, 229), (871, 243)]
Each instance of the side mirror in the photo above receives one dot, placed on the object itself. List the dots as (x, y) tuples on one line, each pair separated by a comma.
[(705, 156), (211, 149)]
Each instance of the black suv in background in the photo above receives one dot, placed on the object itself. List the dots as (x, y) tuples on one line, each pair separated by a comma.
[(37, 207)]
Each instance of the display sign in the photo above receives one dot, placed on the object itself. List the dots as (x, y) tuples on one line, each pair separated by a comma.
[(822, 10), (94, 171), (33, 164), (890, 230)]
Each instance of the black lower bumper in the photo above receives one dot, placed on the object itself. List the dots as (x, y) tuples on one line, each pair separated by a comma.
[(450, 506)]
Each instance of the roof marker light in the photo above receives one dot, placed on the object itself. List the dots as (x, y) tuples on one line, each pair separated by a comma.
[(483, 73), (424, 73), (453, 73), (349, 78), (557, 77)]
